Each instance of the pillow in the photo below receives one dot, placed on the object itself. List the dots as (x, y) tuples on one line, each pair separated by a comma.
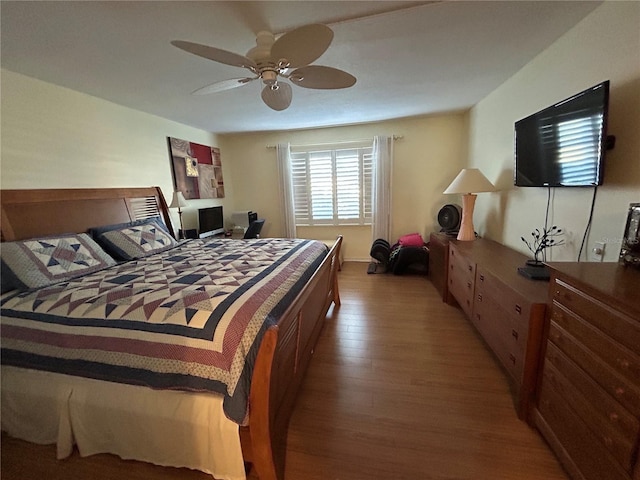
[(95, 232), (6, 283), (411, 240), (136, 240), (43, 261)]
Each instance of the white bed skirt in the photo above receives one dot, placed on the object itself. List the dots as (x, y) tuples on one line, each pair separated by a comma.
[(169, 428)]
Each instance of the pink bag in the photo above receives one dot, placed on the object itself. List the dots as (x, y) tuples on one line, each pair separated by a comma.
[(411, 240)]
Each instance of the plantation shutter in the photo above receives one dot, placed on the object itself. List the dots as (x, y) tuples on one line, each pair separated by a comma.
[(332, 186)]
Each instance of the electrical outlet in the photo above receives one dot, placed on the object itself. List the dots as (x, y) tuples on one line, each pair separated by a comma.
[(598, 250)]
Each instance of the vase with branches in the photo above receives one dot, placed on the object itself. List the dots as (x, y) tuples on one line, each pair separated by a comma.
[(541, 240)]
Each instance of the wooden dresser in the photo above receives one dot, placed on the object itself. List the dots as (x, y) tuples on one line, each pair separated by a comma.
[(439, 261), (506, 308), (588, 405)]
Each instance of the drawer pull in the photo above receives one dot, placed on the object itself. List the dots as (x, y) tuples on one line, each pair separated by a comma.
[(514, 334), (518, 309), (613, 416), (624, 363), (480, 297), (470, 267), (619, 391), (469, 285), (482, 278), (512, 358), (478, 316)]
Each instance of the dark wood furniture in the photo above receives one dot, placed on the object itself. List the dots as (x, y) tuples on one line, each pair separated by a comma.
[(439, 261), (588, 405), (286, 348), (506, 308)]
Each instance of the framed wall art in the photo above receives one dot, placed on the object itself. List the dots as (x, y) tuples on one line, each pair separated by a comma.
[(196, 169)]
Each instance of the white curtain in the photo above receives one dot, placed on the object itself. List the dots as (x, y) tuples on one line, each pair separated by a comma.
[(382, 171), (286, 191)]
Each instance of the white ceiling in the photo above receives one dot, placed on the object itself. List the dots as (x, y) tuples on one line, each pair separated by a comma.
[(410, 58)]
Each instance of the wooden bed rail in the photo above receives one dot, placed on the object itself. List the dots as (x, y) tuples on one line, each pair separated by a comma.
[(282, 361)]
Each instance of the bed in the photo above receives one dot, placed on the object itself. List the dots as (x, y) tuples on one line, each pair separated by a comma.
[(214, 416)]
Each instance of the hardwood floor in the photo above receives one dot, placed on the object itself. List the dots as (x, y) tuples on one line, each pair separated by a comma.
[(400, 387)]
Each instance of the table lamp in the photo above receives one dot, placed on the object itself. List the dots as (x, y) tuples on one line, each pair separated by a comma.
[(469, 180), (179, 202)]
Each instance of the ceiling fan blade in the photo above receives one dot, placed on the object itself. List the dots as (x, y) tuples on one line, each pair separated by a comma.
[(316, 76), (223, 85), (277, 96), (303, 45), (215, 54)]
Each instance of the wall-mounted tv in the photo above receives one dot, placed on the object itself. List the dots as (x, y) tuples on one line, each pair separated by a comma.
[(210, 221), (564, 145)]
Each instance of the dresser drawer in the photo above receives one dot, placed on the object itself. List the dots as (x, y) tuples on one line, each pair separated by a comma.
[(620, 443), (620, 327), (610, 411), (594, 461), (623, 391), (463, 293), (506, 339), (516, 307), (620, 358), (461, 280), (462, 265)]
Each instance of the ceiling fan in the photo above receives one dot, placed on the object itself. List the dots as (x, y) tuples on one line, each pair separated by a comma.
[(289, 57)]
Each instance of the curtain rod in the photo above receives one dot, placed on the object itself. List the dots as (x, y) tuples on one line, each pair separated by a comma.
[(395, 137)]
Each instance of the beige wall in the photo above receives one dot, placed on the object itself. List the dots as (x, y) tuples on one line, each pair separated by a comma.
[(427, 157), (605, 45), (53, 137)]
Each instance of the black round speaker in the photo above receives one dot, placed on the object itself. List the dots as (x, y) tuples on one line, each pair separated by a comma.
[(449, 218)]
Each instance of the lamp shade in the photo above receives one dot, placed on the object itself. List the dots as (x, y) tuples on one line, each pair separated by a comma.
[(470, 180), (178, 200)]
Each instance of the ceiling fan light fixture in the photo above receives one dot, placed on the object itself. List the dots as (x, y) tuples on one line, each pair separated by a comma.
[(278, 98), (269, 77)]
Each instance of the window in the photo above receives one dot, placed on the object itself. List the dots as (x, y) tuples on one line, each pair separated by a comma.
[(332, 186)]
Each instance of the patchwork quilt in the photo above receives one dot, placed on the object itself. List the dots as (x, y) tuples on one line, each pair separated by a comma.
[(189, 318)]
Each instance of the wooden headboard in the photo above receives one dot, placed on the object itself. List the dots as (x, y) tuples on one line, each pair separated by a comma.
[(37, 213)]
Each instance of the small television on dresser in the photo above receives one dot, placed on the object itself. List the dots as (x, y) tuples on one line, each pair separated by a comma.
[(210, 221)]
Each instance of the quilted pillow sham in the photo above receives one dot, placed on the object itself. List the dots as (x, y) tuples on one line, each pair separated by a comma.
[(40, 262), (136, 240)]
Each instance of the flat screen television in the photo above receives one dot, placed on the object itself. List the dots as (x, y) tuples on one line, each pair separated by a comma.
[(564, 145), (210, 221)]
